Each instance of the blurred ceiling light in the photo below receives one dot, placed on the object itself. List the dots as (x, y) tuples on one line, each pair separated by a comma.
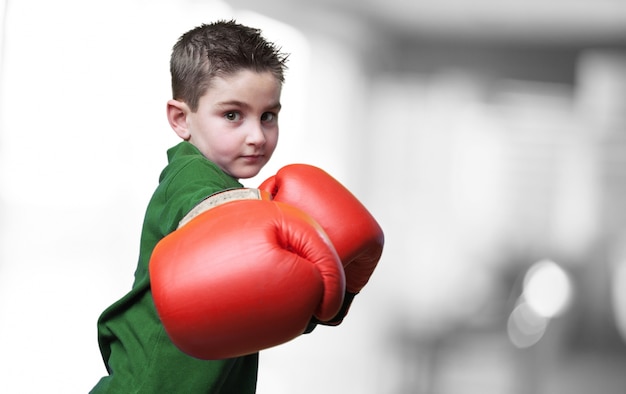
[(546, 294), (547, 289), (525, 327)]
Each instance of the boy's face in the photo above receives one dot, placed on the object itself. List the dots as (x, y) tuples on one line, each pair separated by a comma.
[(236, 124)]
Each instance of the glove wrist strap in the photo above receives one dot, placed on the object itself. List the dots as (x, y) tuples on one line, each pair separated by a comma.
[(223, 197)]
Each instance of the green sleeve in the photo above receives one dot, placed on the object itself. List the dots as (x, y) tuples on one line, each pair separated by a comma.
[(188, 179), (190, 185)]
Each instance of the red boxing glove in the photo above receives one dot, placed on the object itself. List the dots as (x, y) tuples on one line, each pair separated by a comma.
[(354, 232), (244, 276)]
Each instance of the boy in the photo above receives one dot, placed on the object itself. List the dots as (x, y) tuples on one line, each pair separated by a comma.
[(226, 83)]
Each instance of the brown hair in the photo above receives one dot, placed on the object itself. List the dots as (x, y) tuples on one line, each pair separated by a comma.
[(219, 49)]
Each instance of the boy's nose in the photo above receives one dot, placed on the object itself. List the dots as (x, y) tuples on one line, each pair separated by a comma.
[(256, 136)]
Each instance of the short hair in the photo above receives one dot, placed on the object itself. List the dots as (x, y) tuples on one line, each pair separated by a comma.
[(219, 49)]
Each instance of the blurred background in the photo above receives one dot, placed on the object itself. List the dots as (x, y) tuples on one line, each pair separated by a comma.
[(487, 137)]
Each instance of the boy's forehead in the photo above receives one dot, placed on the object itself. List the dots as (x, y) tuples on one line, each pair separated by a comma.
[(245, 87)]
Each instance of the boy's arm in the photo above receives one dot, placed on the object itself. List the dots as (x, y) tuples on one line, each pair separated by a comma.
[(186, 186)]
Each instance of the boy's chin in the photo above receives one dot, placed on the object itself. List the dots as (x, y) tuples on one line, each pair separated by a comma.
[(245, 173)]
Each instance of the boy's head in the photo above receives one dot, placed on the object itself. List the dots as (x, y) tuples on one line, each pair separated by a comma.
[(219, 49), (227, 83)]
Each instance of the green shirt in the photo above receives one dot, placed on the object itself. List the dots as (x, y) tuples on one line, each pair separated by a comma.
[(137, 352)]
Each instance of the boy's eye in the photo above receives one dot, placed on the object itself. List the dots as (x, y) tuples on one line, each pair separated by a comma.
[(232, 116), (268, 117)]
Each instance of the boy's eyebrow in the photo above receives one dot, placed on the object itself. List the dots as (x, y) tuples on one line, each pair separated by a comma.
[(277, 105)]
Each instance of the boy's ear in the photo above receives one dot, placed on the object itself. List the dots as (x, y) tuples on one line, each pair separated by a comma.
[(177, 112)]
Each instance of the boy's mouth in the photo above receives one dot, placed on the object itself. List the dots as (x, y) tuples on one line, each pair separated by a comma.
[(252, 157)]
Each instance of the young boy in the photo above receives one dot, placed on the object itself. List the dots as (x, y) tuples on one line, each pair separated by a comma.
[(226, 83)]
